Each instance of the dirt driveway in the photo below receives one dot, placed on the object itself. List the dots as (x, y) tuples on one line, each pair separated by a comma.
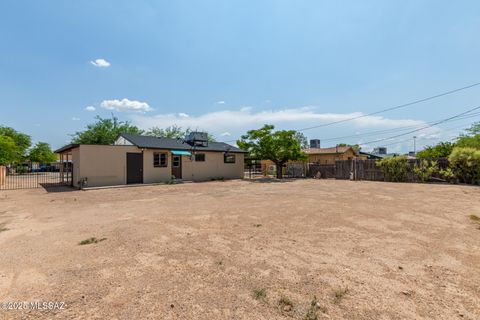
[(244, 250)]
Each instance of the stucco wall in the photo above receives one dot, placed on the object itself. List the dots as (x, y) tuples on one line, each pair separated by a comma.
[(103, 165), (213, 167), (330, 158), (153, 174)]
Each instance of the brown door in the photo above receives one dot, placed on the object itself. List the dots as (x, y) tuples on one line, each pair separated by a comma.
[(134, 168), (177, 166)]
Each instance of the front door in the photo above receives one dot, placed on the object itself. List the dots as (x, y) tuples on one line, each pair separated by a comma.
[(177, 166), (134, 168)]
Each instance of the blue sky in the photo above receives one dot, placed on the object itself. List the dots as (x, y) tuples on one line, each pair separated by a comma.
[(230, 66)]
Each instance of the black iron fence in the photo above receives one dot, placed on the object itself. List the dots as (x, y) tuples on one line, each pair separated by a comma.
[(32, 175)]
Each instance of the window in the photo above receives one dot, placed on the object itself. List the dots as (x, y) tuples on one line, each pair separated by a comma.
[(200, 157), (160, 159), (229, 158), (176, 161)]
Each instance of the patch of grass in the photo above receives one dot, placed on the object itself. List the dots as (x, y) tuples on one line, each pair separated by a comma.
[(260, 294), (475, 218), (339, 294), (312, 310), (90, 241), (257, 225), (285, 304)]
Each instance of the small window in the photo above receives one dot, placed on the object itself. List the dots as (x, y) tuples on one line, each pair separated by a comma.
[(176, 161), (200, 157), (229, 158), (160, 159)]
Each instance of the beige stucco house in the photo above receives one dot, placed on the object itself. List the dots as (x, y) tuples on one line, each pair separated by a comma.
[(135, 159)]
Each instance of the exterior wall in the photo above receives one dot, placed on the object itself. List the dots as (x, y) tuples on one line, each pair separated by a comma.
[(76, 166), (213, 167), (330, 158), (153, 174), (103, 165)]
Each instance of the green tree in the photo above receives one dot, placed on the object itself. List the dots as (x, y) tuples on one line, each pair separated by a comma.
[(9, 151), (104, 131), (173, 132), (440, 150), (471, 139), (277, 146), (395, 169), (355, 147), (41, 153), (21, 140), (302, 140), (465, 164)]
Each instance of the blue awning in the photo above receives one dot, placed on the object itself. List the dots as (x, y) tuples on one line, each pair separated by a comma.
[(181, 152)]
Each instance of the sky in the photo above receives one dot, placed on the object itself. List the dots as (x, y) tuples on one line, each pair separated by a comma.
[(230, 66)]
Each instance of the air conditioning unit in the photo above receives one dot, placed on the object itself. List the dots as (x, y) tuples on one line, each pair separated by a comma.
[(197, 138)]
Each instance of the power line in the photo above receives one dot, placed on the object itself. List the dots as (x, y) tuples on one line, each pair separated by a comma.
[(395, 107), (423, 128), (398, 129)]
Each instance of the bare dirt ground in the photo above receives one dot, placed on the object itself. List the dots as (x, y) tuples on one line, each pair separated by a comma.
[(233, 250)]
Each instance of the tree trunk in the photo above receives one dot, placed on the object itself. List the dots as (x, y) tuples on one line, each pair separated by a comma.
[(279, 167)]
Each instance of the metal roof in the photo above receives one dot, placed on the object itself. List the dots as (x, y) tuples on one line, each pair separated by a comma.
[(149, 142)]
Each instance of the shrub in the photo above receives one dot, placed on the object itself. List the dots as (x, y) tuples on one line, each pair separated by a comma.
[(465, 164), (447, 174), (394, 169), (424, 170)]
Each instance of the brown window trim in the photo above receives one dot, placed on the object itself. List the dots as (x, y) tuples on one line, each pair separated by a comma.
[(159, 164)]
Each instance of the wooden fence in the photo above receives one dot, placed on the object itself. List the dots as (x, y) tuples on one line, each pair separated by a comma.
[(362, 169)]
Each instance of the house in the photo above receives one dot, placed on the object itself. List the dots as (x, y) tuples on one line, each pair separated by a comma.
[(330, 155), (134, 159)]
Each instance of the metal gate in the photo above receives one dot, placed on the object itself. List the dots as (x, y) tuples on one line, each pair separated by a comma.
[(33, 175)]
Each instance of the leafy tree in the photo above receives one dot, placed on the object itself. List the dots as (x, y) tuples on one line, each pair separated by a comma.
[(42, 153), (355, 147), (279, 146), (465, 164), (394, 169), (441, 150), (302, 140), (472, 138), (9, 151), (173, 132), (104, 131), (21, 140)]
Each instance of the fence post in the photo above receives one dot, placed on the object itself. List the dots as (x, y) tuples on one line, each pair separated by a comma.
[(3, 175)]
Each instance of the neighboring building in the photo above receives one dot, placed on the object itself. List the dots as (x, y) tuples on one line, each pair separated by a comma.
[(369, 156), (134, 159), (330, 155), (380, 151)]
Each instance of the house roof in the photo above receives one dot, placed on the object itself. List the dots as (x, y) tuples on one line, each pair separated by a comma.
[(333, 150), (149, 142)]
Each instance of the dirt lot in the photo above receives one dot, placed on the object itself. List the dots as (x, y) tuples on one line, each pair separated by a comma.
[(233, 250)]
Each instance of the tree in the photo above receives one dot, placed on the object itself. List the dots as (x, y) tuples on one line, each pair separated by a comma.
[(355, 147), (104, 131), (465, 164), (440, 150), (42, 153), (471, 139), (302, 140), (279, 146), (22, 141), (173, 132), (9, 151)]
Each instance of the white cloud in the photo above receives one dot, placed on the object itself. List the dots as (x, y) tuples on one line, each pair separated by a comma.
[(225, 134), (183, 115), (90, 108), (100, 63), (237, 122), (75, 119), (221, 102), (126, 105)]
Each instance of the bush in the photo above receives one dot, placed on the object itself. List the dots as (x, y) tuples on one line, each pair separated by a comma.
[(424, 170), (394, 169), (448, 175), (465, 164)]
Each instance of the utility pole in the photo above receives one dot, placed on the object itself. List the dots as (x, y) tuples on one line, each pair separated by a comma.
[(415, 145)]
